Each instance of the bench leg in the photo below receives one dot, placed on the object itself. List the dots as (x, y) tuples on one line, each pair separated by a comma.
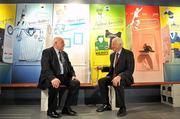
[(112, 97), (44, 100), (170, 94)]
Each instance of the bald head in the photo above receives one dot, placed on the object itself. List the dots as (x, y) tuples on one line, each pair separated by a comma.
[(58, 43), (57, 39), (116, 44)]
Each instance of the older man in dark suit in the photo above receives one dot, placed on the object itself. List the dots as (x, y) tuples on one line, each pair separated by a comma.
[(120, 76), (56, 70)]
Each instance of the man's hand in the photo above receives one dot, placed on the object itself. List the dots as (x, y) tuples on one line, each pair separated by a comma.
[(99, 67), (74, 78), (116, 81), (56, 83)]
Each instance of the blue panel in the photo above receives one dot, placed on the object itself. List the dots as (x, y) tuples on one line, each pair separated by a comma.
[(26, 73), (5, 73), (172, 72)]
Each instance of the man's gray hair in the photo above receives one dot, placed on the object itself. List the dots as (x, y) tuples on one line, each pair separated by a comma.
[(118, 40), (56, 39)]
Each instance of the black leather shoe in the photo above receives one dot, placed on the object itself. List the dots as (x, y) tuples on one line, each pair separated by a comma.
[(57, 113), (53, 114), (68, 111), (121, 112), (72, 110), (104, 108)]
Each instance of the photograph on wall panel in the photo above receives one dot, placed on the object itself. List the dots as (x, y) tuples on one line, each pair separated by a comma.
[(107, 22), (170, 34), (143, 29), (71, 21)]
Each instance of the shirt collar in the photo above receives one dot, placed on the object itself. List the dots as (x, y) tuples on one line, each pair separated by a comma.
[(57, 51), (119, 52)]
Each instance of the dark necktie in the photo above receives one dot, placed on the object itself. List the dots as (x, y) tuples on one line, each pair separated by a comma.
[(116, 59), (115, 63), (62, 60), (61, 66), (60, 57)]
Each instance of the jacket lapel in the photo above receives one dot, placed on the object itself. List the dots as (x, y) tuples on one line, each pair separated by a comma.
[(54, 54), (55, 59)]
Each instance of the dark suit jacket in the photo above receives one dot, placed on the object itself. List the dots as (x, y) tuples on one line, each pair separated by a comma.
[(50, 67), (124, 67)]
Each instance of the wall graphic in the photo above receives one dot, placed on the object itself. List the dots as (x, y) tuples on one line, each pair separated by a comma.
[(7, 16), (71, 21), (8, 44), (33, 22), (31, 30), (170, 22), (107, 22), (144, 30), (170, 30), (88, 31), (1, 43)]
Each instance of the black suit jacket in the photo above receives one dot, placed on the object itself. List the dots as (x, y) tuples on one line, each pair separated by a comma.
[(50, 67), (124, 67)]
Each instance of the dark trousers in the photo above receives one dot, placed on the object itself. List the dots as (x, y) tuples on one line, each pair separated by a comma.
[(119, 90), (73, 89)]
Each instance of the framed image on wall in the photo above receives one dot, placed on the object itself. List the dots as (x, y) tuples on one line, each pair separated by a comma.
[(67, 42), (78, 38)]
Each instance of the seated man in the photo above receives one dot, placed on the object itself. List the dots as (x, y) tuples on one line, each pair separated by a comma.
[(56, 70), (120, 76)]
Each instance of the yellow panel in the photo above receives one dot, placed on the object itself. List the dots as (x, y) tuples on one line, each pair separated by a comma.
[(7, 14)]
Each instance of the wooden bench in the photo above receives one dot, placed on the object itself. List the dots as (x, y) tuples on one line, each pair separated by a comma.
[(34, 85), (153, 83), (170, 97), (83, 85), (44, 93)]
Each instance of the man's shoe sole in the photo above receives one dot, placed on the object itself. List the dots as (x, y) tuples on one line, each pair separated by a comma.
[(103, 110)]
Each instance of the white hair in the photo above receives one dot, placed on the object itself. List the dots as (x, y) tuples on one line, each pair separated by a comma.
[(56, 39), (117, 40)]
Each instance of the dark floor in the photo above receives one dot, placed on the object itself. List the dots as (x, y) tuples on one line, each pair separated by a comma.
[(134, 110)]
